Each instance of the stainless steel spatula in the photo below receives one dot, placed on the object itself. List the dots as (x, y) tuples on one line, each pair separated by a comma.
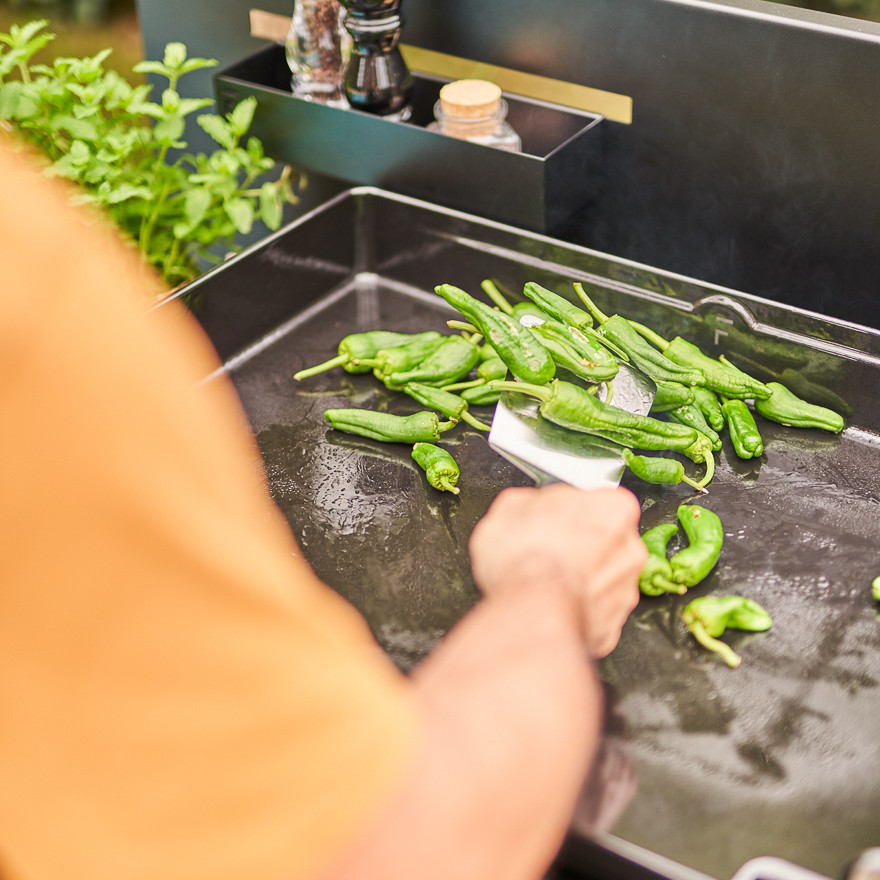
[(550, 454)]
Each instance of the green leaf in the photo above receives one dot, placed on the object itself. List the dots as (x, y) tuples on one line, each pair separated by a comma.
[(190, 105), (218, 128), (241, 213), (83, 129), (10, 95), (175, 55), (192, 64), (156, 67), (169, 131), (242, 115), (196, 204), (271, 209), (124, 192)]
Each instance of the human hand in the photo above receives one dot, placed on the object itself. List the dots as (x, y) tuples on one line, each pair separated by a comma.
[(584, 543)]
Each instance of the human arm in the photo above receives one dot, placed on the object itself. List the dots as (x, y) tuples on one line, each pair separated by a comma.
[(510, 703)]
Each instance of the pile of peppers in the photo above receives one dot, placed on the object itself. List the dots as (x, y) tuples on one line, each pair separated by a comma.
[(551, 348)]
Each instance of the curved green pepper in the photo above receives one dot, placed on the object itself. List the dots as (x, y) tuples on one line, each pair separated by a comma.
[(439, 466), (494, 368), (400, 358), (691, 414), (389, 428), (453, 359), (744, 433), (710, 407), (514, 343), (481, 395), (721, 377), (355, 348), (656, 576), (641, 352), (708, 616), (705, 536), (568, 343), (444, 402), (558, 307), (575, 408), (651, 469), (670, 395), (788, 409)]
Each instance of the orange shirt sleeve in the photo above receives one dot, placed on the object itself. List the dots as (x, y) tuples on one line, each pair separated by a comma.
[(180, 697)]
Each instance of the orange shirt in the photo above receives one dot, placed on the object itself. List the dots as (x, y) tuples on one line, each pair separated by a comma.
[(180, 697)]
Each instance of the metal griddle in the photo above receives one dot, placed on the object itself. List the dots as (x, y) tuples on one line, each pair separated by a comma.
[(780, 757)]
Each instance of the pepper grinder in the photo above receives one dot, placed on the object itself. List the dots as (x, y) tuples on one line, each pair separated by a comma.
[(376, 78)]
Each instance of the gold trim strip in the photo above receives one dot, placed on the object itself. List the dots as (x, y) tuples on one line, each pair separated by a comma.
[(555, 91)]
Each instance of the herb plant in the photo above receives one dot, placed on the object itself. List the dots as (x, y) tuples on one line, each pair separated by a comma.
[(128, 156)]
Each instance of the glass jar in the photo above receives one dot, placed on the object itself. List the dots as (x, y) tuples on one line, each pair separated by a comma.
[(317, 48), (473, 110)]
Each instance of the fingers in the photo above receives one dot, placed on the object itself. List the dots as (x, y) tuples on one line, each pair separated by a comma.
[(586, 543)]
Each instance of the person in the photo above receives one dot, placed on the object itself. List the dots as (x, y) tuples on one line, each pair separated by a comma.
[(180, 697)]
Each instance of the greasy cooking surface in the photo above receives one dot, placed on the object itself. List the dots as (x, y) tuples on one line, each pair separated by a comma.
[(779, 757)]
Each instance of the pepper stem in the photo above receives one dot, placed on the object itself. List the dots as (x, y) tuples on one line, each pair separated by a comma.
[(709, 461), (730, 657), (461, 325), (474, 422), (338, 361), (650, 335), (446, 426), (542, 392), (448, 486), (460, 386), (491, 290), (599, 315)]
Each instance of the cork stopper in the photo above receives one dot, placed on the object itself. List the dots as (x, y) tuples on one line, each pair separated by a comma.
[(473, 101)]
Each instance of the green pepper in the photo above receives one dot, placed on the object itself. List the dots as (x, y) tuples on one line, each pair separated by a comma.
[(656, 576), (558, 307), (420, 426), (494, 368), (453, 359), (720, 375), (573, 407), (670, 395), (481, 395), (576, 352), (528, 310), (691, 414), (444, 402), (710, 406), (642, 354), (514, 343), (439, 466), (875, 588), (652, 469), (705, 536), (786, 408), (708, 616), (744, 433), (358, 347), (400, 358), (487, 353)]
